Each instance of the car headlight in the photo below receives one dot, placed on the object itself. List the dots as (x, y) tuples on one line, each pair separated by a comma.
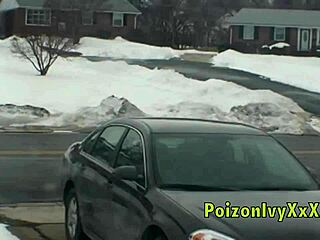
[(208, 235)]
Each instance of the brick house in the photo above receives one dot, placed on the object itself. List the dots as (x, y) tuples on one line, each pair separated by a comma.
[(251, 29), (107, 19)]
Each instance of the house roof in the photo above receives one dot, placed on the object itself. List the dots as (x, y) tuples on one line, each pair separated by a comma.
[(276, 17), (118, 6), (102, 5)]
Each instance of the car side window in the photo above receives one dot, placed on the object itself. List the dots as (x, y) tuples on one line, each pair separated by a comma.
[(89, 143), (131, 154), (104, 149)]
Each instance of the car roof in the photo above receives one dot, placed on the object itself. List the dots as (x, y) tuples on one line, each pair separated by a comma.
[(186, 125)]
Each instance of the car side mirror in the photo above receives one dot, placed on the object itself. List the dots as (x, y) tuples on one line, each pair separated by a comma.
[(77, 145), (126, 173)]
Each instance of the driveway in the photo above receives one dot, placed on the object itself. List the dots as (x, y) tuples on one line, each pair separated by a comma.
[(202, 71), (309, 101)]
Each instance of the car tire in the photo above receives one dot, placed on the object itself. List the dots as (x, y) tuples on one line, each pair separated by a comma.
[(73, 226)]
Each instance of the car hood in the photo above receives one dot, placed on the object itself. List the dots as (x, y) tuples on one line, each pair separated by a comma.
[(253, 228)]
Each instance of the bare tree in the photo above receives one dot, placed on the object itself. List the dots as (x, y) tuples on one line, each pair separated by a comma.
[(41, 51)]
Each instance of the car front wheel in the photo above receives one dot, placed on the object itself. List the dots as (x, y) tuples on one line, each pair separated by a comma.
[(72, 218)]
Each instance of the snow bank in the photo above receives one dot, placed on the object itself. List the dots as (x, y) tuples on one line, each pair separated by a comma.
[(27, 110), (5, 234), (266, 116), (315, 124), (122, 49), (73, 84), (301, 72), (270, 118), (277, 45), (13, 114), (74, 90), (110, 108)]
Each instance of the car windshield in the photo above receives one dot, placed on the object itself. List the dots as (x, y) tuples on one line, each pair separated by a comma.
[(227, 162)]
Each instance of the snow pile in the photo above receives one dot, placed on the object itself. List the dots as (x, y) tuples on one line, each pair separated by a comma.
[(302, 72), (110, 108), (74, 90), (315, 124), (26, 110), (193, 110), (266, 116), (120, 48), (5, 234), (221, 94), (13, 114), (270, 118), (279, 45)]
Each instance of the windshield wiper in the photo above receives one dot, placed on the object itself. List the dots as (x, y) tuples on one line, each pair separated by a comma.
[(277, 189), (194, 187)]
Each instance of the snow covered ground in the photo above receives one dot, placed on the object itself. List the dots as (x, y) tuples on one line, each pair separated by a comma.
[(302, 72), (277, 45), (315, 124), (76, 91), (5, 234), (120, 48)]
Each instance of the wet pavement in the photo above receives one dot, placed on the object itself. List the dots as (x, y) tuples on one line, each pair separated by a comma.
[(30, 172), (34, 221), (30, 163)]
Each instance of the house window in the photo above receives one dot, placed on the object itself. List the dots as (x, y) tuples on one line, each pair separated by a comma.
[(248, 32), (87, 17), (318, 37), (279, 34), (118, 19), (38, 17)]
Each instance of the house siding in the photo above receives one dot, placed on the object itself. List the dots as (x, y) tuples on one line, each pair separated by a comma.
[(265, 37), (2, 25), (314, 40), (293, 38), (101, 27), (21, 29)]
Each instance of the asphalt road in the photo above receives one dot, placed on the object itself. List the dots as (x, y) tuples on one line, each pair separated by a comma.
[(309, 101), (30, 163)]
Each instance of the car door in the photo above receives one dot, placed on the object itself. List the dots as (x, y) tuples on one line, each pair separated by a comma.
[(129, 205), (94, 183), (81, 179)]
